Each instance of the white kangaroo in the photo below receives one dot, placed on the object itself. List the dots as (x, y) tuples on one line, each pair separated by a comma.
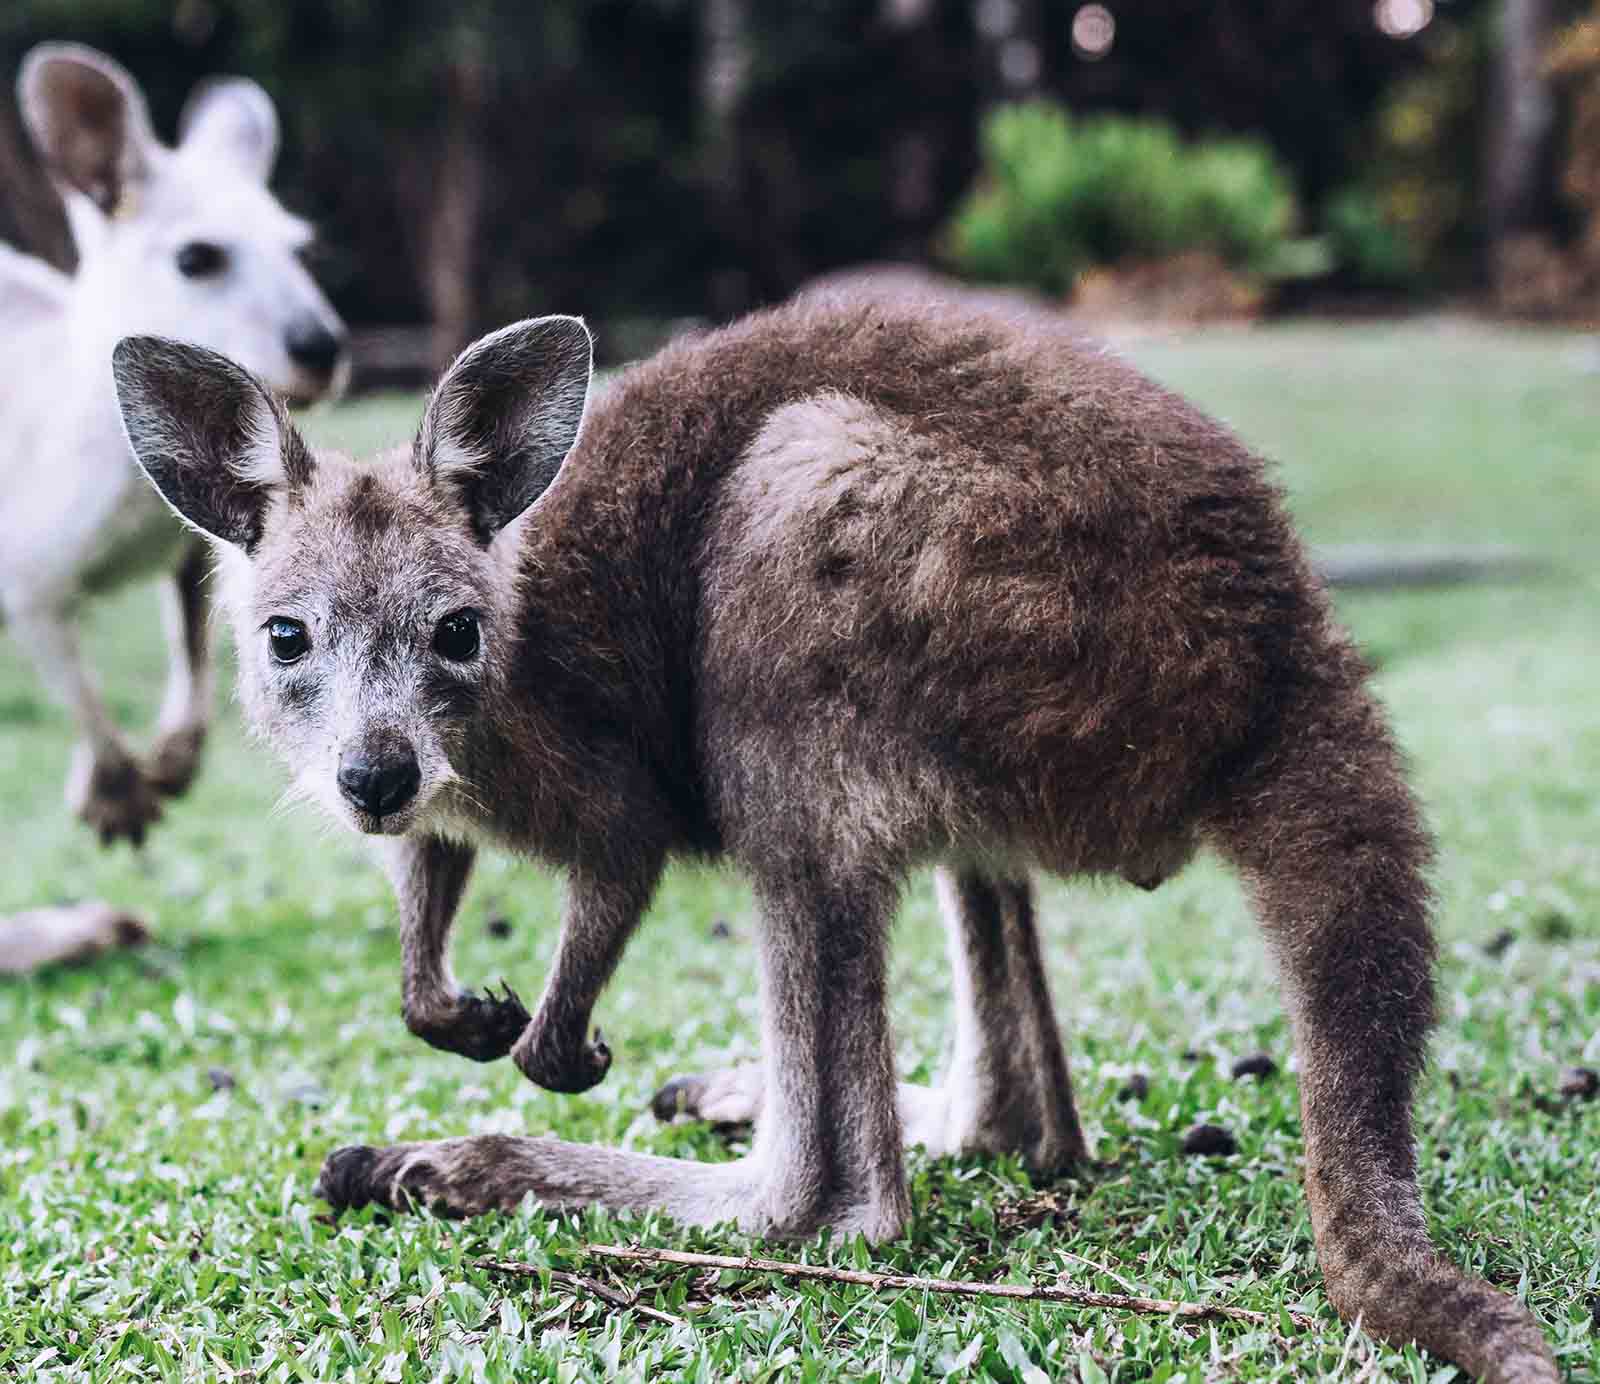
[(186, 241)]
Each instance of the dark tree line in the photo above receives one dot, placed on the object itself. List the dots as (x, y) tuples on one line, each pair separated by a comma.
[(471, 161)]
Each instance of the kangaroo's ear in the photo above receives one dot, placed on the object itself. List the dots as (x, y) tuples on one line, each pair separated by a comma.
[(87, 118), (505, 415), (231, 118), (212, 440)]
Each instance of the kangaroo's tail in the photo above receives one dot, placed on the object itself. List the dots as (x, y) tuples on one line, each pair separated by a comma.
[(1328, 837)]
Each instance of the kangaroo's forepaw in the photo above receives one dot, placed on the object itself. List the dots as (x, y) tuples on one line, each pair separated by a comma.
[(483, 1027), (558, 1064), (175, 759), (116, 800)]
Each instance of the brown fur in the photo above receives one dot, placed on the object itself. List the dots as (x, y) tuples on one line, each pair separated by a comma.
[(842, 589)]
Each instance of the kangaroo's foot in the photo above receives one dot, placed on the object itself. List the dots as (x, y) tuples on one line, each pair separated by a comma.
[(496, 1172), (728, 1096), (66, 934), (112, 794)]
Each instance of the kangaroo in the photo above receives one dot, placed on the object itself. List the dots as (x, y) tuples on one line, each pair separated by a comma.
[(187, 242), (842, 589)]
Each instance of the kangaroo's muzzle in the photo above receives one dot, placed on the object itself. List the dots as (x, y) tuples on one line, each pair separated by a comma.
[(379, 784), (313, 347)]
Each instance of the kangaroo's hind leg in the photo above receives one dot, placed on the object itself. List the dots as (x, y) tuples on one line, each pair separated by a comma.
[(186, 707), (106, 786), (1006, 1088), (1327, 835)]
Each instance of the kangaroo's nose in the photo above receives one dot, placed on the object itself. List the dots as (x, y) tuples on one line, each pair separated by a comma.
[(379, 784), (313, 347)]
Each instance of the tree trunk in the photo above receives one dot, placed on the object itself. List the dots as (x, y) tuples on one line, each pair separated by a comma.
[(1012, 48), (931, 149), (913, 156), (724, 79), (1522, 116), (447, 189)]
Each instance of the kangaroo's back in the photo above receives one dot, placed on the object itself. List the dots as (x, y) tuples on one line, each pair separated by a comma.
[(1019, 578)]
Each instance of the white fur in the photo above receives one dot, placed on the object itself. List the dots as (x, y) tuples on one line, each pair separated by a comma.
[(76, 517)]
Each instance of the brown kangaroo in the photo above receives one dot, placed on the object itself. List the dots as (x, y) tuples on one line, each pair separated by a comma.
[(845, 588)]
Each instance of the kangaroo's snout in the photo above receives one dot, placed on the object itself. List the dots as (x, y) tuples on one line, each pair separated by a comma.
[(382, 783), (313, 347)]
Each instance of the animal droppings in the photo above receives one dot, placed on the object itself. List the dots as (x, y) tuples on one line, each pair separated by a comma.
[(1257, 1064), (1209, 1140), (1500, 943), (1580, 1083)]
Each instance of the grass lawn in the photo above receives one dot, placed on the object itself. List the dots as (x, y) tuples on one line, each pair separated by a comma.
[(163, 1115)]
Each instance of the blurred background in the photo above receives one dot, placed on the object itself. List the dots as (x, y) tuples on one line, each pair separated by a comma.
[(645, 161)]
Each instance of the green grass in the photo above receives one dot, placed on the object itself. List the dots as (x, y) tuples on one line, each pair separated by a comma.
[(153, 1227)]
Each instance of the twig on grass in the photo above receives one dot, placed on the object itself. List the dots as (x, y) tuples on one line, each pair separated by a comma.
[(593, 1287), (890, 1282), (1099, 1268), (421, 1312)]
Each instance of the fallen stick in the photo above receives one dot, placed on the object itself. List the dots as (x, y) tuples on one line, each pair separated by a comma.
[(883, 1282), (593, 1287)]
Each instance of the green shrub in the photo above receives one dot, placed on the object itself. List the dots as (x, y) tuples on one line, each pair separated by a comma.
[(1058, 195), (1366, 245)]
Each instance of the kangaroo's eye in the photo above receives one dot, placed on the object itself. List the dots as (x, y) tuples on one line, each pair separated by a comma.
[(201, 259), (456, 636), (287, 639)]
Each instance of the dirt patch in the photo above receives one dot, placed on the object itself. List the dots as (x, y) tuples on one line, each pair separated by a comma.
[(1187, 289), (1048, 1207)]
